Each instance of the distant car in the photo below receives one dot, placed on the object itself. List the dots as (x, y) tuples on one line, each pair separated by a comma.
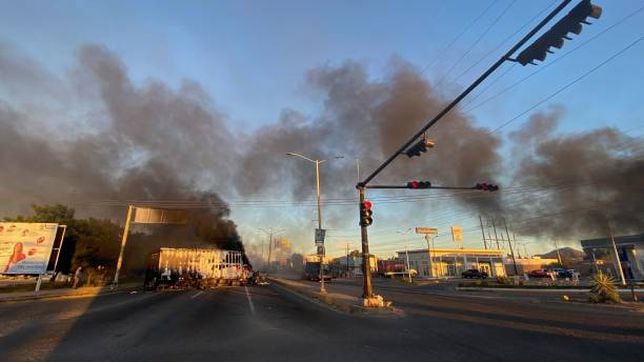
[(539, 274), (565, 273), (474, 273)]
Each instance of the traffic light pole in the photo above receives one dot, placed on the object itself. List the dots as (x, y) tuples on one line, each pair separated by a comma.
[(361, 186), (367, 288)]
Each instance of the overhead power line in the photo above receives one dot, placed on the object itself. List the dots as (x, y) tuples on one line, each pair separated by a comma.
[(543, 67), (476, 42), (570, 84), (451, 43)]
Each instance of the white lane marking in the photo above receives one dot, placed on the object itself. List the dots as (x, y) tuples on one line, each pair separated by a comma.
[(250, 301), (196, 295)]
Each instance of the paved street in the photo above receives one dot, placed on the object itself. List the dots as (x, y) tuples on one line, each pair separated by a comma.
[(268, 323)]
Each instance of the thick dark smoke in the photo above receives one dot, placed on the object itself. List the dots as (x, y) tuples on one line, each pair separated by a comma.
[(576, 184), (368, 119), (93, 134), (134, 143)]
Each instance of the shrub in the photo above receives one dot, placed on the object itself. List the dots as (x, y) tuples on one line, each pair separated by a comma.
[(503, 280), (603, 289)]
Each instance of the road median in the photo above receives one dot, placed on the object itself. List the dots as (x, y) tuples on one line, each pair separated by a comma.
[(332, 300)]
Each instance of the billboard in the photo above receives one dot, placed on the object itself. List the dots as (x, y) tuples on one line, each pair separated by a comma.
[(25, 248), (146, 215)]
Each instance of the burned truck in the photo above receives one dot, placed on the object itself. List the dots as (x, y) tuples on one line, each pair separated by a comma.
[(194, 268)]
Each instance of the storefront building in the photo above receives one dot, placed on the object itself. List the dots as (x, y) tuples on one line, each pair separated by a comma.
[(452, 262), (630, 249)]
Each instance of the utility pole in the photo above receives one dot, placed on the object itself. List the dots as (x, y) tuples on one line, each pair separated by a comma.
[(270, 232), (270, 250), (514, 237), (502, 239), (514, 261), (558, 253), (430, 270), (483, 232), (496, 237), (347, 260), (317, 183), (408, 271), (618, 263), (317, 194)]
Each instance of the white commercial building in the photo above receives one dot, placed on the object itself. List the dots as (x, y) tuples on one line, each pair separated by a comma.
[(452, 262)]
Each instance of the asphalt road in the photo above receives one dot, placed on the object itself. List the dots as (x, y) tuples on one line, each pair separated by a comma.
[(268, 324)]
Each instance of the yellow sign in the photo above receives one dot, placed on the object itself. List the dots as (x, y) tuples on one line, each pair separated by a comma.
[(457, 233), (421, 230)]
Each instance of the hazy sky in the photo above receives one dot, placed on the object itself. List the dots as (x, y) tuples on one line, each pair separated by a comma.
[(252, 58)]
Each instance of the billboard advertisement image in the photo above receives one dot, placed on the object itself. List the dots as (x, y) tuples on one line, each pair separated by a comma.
[(25, 248)]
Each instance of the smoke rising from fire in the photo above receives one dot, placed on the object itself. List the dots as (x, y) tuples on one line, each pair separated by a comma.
[(135, 143), (578, 184), (94, 134)]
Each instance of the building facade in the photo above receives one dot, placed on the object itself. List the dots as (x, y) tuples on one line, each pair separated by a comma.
[(452, 262), (630, 249)]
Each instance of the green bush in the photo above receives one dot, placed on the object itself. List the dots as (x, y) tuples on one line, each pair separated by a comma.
[(603, 289)]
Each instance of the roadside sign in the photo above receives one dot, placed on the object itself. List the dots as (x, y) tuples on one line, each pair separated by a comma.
[(422, 230), (26, 248), (319, 236), (321, 250)]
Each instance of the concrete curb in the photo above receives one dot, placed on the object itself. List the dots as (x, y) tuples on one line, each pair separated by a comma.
[(79, 293), (330, 303), (553, 290)]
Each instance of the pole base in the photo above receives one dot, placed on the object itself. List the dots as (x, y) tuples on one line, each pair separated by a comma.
[(375, 302)]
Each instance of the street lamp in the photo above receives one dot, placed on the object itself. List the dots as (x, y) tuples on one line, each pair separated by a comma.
[(317, 189)]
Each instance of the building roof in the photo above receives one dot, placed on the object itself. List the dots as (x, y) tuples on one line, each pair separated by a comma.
[(480, 252), (624, 240)]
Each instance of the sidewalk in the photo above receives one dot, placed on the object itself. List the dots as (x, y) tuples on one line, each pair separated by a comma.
[(332, 299), (67, 293)]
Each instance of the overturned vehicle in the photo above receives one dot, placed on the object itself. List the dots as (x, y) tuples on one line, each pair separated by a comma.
[(195, 268)]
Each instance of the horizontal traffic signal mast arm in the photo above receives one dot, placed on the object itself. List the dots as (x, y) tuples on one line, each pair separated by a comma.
[(479, 186), (467, 91)]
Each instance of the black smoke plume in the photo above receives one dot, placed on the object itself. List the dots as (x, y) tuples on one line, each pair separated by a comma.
[(121, 142), (579, 184)]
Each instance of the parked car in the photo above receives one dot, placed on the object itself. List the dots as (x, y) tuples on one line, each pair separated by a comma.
[(474, 273), (539, 273), (565, 273)]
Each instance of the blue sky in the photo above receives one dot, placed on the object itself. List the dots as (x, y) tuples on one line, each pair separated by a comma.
[(252, 56)]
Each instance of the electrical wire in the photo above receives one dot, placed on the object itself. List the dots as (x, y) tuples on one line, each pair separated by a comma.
[(468, 27), (543, 67), (570, 84), (476, 42)]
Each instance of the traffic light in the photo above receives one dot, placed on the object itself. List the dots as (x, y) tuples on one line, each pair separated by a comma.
[(486, 187), (420, 147), (365, 213), (571, 23), (419, 184)]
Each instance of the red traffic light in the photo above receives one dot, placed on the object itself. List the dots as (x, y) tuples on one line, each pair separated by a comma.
[(366, 218)]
